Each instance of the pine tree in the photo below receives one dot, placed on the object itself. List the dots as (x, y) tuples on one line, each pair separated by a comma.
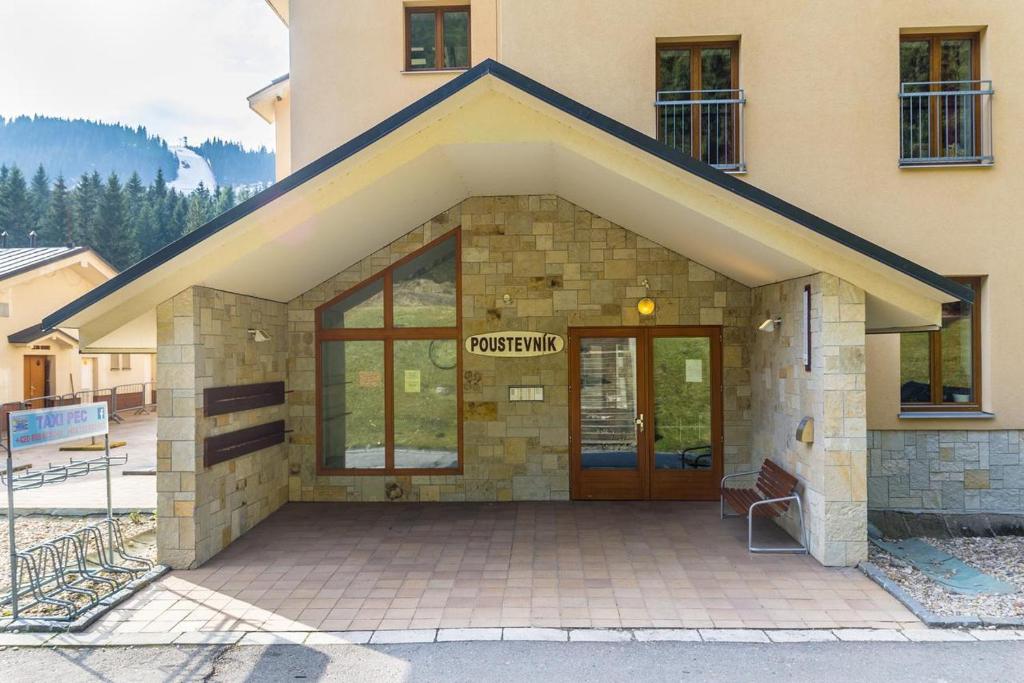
[(59, 226), (86, 199), (200, 208), (15, 209), (225, 199), (113, 236), (39, 199)]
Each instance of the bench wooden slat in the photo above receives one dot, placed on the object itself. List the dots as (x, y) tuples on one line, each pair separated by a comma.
[(772, 482)]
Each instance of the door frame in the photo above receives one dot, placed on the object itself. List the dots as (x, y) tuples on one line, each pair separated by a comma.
[(47, 378), (646, 483)]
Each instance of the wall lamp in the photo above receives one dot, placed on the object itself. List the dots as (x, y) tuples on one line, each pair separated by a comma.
[(646, 305), (770, 324), (258, 335)]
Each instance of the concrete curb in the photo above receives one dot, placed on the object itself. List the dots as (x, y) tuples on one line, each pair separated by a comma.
[(42, 626), (929, 618), (568, 636), (75, 512)]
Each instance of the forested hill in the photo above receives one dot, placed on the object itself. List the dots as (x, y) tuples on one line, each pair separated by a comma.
[(235, 166), (73, 147)]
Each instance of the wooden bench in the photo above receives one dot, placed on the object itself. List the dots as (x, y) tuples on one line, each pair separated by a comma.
[(770, 497)]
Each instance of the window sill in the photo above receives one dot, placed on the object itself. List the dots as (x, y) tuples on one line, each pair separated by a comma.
[(411, 72), (951, 164), (947, 415)]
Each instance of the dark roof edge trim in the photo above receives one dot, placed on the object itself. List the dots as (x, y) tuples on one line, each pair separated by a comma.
[(554, 99)]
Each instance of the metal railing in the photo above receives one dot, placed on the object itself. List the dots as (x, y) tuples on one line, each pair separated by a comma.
[(705, 124), (946, 122), (138, 398)]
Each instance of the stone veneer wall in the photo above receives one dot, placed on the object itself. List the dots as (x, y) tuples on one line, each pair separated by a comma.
[(563, 267), (203, 342), (946, 471), (832, 469)]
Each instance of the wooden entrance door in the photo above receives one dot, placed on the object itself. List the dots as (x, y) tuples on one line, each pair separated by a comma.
[(37, 379), (645, 413)]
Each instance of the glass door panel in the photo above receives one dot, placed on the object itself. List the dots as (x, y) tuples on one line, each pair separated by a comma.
[(608, 403), (681, 386)]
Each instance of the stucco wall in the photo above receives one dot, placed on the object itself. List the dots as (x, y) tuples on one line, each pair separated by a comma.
[(563, 267), (203, 343), (832, 469)]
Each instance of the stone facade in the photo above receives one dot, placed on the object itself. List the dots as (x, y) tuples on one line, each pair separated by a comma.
[(946, 471), (832, 469), (203, 342), (562, 266), (529, 263)]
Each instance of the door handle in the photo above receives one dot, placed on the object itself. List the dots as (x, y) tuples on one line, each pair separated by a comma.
[(639, 422)]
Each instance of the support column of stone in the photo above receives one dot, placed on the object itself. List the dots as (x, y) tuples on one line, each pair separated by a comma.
[(176, 431)]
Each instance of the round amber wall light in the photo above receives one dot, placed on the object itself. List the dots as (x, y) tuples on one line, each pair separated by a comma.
[(645, 306)]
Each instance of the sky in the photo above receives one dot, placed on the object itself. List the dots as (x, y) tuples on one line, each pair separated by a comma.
[(178, 67)]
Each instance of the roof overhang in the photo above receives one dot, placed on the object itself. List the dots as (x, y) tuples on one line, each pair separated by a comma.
[(263, 100), (492, 131), (281, 9)]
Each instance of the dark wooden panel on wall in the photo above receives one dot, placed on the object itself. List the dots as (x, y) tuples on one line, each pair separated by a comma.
[(224, 400), (234, 444)]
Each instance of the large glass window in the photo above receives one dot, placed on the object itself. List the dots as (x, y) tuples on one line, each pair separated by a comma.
[(942, 368), (388, 368), (437, 38)]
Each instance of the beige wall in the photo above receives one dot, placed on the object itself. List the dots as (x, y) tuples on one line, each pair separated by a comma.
[(833, 469), (563, 266), (821, 80), (203, 343), (283, 136)]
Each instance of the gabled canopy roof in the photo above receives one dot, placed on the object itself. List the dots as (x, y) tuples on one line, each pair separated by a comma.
[(35, 333), (494, 131)]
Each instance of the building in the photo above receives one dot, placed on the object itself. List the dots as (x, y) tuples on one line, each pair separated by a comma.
[(813, 196), (37, 363)]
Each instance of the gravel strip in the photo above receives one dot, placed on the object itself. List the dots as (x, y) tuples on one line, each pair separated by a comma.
[(1002, 557), (34, 529)]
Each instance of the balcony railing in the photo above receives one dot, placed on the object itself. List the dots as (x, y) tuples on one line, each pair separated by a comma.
[(705, 124), (946, 122)]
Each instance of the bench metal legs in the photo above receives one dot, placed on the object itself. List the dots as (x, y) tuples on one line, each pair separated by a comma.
[(800, 514)]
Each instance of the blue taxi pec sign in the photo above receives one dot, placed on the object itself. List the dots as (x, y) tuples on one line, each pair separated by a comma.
[(40, 426)]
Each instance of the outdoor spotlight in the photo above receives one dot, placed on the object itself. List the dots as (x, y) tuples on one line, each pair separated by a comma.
[(645, 306), (258, 335), (770, 324)]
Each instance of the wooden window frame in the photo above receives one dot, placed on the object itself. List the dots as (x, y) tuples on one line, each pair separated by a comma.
[(388, 334), (936, 404), (935, 73), (695, 83), (438, 13)]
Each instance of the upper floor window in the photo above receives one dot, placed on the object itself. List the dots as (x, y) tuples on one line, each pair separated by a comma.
[(388, 390), (436, 38), (945, 107), (699, 103), (942, 369)]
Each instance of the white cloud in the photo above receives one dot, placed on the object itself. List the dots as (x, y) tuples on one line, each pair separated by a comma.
[(178, 67)]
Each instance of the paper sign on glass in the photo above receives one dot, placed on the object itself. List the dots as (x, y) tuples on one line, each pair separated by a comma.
[(694, 370), (412, 381)]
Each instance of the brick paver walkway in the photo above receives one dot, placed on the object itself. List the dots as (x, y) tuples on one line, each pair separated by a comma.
[(335, 566)]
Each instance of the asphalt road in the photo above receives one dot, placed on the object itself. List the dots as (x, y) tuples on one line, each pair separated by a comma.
[(518, 661)]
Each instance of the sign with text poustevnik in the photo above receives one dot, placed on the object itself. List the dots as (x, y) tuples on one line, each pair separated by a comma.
[(40, 426), (514, 344)]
